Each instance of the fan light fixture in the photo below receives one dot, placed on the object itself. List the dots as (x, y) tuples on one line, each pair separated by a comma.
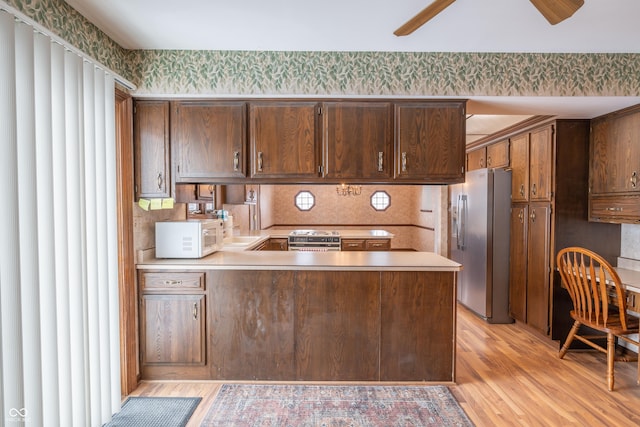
[(554, 11)]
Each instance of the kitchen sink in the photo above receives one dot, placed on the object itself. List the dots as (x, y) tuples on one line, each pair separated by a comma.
[(240, 240)]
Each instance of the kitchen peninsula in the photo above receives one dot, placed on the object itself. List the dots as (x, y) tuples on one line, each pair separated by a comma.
[(299, 316)]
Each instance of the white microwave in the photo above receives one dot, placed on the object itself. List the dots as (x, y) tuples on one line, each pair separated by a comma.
[(192, 238)]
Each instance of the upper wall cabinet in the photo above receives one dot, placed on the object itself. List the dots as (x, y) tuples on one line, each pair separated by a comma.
[(357, 140), (498, 154), (152, 153), (531, 163), (284, 139), (430, 141), (208, 139), (614, 186), (476, 159)]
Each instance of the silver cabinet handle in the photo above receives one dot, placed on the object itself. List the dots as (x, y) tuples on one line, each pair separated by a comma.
[(380, 161), (534, 190), (521, 216), (259, 161), (616, 209), (236, 160), (522, 190), (160, 180), (488, 160), (404, 161), (173, 282), (634, 179), (533, 216), (195, 310)]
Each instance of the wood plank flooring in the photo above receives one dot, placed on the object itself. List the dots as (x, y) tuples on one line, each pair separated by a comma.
[(507, 375)]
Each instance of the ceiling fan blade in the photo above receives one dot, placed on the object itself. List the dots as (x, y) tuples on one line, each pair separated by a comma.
[(557, 10), (426, 14)]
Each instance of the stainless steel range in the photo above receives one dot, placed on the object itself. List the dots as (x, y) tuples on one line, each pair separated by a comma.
[(314, 241)]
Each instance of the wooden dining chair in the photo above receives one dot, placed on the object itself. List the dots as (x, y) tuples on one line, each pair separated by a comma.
[(599, 302)]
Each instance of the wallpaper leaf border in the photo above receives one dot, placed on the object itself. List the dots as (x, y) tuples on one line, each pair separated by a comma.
[(293, 73)]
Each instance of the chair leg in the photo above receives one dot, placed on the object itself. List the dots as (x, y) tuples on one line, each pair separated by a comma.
[(567, 342), (611, 355)]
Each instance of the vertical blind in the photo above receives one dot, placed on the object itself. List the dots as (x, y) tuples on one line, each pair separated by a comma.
[(59, 329)]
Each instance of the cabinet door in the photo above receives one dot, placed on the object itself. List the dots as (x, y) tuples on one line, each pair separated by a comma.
[(615, 154), (498, 154), (538, 266), (337, 325), (518, 262), (430, 141), (284, 139), (252, 325), (541, 164), (520, 168), (357, 140), (208, 139), (172, 329), (476, 159), (417, 342), (152, 153)]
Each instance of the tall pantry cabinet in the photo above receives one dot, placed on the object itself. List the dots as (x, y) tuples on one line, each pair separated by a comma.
[(549, 212)]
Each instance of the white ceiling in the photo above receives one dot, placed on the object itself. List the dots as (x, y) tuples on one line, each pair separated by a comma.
[(368, 25)]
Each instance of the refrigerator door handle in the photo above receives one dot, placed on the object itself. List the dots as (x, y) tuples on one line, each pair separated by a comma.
[(462, 217)]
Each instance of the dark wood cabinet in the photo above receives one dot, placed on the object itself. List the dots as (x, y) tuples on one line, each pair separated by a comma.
[(152, 150), (208, 139), (357, 140), (284, 139), (498, 154), (519, 233), (529, 266), (408, 339), (173, 324), (289, 325), (549, 212), (531, 165), (297, 141), (614, 167), (252, 325), (365, 244), (337, 325), (476, 159), (541, 163), (538, 266), (520, 168), (430, 141)]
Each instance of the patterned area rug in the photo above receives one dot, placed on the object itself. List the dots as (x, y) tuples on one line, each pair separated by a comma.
[(311, 405), (155, 412)]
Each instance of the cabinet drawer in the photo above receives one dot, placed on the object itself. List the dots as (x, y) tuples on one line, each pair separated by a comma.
[(353, 245), (378, 245), (615, 208), (150, 281)]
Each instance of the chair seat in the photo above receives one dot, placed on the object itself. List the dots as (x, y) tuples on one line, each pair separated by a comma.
[(614, 326)]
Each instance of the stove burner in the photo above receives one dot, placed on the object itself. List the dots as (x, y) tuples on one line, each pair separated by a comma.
[(316, 240), (313, 233)]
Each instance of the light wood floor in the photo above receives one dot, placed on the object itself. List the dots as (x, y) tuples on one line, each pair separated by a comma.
[(507, 375)]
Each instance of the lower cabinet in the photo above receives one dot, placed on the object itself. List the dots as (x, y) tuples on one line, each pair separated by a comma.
[(330, 325), (252, 323), (337, 325), (365, 244), (173, 325), (529, 283)]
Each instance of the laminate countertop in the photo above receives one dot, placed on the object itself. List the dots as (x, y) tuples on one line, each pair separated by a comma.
[(233, 259)]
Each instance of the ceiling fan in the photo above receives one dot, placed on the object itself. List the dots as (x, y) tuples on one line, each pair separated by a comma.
[(553, 10)]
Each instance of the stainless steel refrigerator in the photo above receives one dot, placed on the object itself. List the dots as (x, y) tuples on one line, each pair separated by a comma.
[(480, 218)]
